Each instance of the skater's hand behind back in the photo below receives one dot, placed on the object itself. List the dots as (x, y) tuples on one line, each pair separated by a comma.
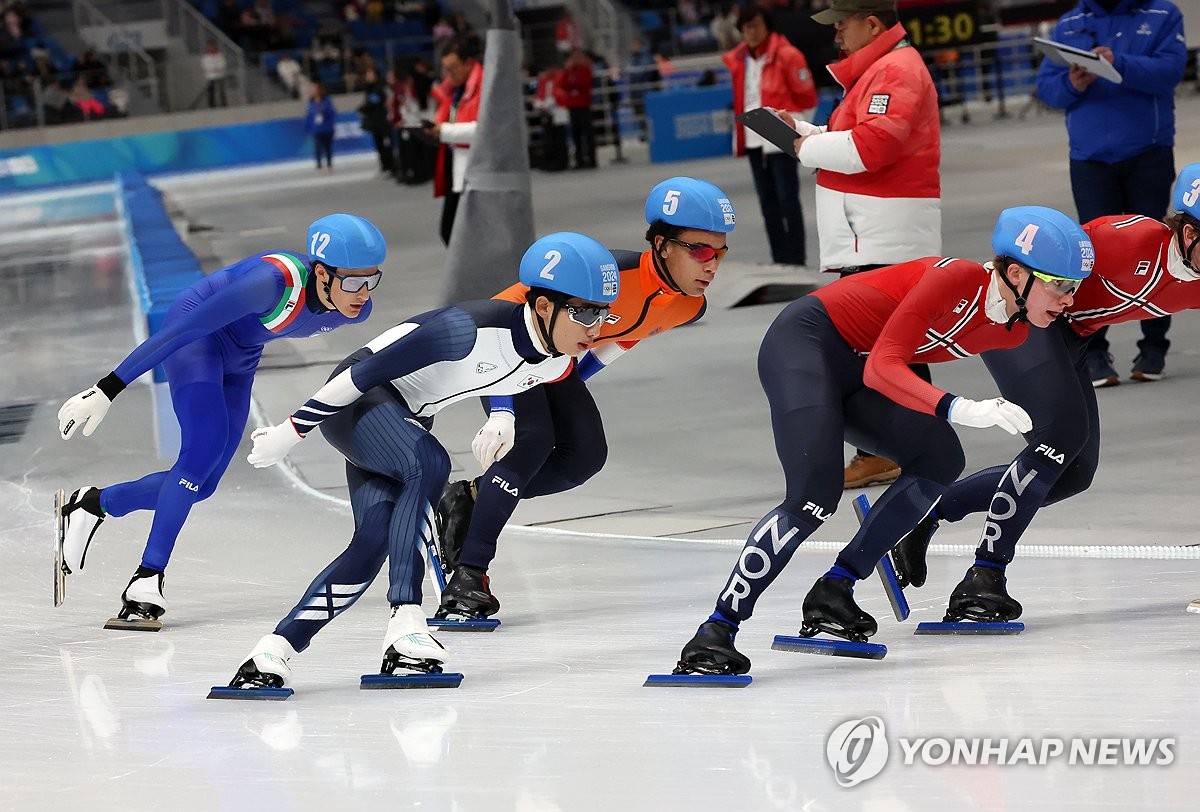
[(272, 444), (86, 409)]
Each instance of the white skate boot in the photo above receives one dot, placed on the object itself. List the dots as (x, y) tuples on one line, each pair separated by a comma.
[(143, 603), (267, 666), (408, 645), (76, 521)]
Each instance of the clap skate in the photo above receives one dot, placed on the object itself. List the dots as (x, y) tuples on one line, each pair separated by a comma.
[(980, 604), (709, 658), (263, 675), (142, 603), (467, 603), (908, 556), (412, 657), (453, 519), (829, 607), (76, 520)]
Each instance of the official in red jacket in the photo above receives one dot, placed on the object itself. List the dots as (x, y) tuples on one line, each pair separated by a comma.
[(768, 71), (454, 124)]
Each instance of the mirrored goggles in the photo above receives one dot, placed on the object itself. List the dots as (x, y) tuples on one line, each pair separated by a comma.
[(353, 284), (701, 252), (1060, 286), (587, 315)]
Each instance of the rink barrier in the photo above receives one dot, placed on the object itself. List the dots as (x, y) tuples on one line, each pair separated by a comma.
[(161, 265)]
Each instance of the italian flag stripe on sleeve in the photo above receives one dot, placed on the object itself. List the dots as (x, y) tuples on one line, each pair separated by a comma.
[(295, 278)]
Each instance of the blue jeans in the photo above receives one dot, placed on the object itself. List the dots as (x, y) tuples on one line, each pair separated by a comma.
[(1137, 185), (777, 182)]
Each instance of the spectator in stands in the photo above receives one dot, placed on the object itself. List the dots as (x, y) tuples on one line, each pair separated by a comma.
[(43, 66), (289, 72), (12, 37), (82, 97), (229, 20), (725, 29), (567, 36), (454, 124), (687, 12), (93, 71), (212, 62), (373, 114), (573, 90), (56, 101), (1121, 136), (320, 121), (768, 71), (554, 119), (442, 32)]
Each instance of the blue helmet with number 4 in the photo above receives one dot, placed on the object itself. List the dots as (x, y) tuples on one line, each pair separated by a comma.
[(346, 241), (574, 265), (690, 203), (1045, 240), (1186, 196)]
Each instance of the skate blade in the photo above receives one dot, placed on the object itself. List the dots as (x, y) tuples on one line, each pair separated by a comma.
[(134, 624), (225, 692), (1194, 606), (697, 681), (892, 588), (885, 570), (464, 624), (414, 680), (970, 627), (835, 648), (60, 577)]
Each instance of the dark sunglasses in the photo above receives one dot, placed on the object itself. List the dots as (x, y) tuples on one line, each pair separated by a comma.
[(353, 284), (587, 315), (701, 252)]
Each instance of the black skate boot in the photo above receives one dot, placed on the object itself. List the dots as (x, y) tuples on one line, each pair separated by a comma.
[(711, 651), (468, 595), (453, 518), (981, 596), (908, 556), (829, 607)]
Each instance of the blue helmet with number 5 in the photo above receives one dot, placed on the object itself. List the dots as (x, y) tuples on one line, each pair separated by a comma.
[(1045, 240), (1186, 197), (345, 241), (574, 265), (690, 203)]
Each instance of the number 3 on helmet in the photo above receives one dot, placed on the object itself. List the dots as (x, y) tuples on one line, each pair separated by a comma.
[(346, 241), (574, 265)]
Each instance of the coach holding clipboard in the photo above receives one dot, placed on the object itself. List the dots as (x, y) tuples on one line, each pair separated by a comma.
[(1121, 135)]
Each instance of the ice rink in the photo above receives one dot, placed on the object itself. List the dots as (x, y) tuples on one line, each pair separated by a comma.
[(609, 581)]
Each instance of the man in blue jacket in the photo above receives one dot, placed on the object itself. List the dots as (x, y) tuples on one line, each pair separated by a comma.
[(1122, 135)]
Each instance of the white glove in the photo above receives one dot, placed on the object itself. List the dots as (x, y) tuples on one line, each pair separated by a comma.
[(272, 443), (495, 439), (982, 414), (805, 128), (86, 409)]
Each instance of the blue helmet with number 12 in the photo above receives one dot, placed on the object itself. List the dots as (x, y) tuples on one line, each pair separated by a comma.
[(345, 241), (574, 265)]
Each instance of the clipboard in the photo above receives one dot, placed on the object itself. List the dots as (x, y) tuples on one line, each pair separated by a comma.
[(1066, 55), (772, 128)]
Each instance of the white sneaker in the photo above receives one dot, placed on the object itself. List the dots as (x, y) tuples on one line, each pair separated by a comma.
[(144, 595), (268, 660), (408, 634), (78, 526)]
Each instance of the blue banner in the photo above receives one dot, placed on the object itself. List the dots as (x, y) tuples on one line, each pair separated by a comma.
[(686, 124), (158, 153)]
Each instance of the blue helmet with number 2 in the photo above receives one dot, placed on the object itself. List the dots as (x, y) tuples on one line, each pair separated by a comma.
[(690, 203), (573, 265), (1045, 240), (345, 241), (1186, 196)]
